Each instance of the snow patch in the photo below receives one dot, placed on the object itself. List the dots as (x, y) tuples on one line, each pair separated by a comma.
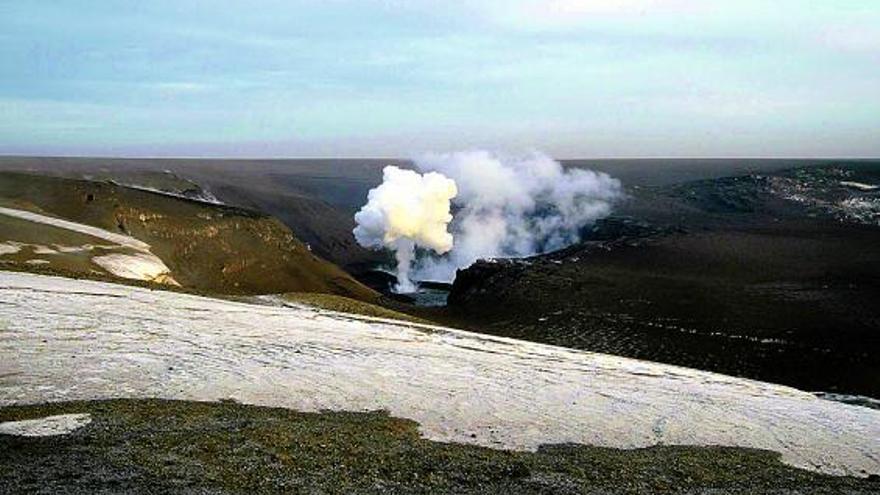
[(10, 247), (81, 249), (46, 427), (139, 266), (40, 249), (203, 196), (122, 240), (859, 185)]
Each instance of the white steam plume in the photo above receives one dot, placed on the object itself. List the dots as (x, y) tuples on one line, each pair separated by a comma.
[(407, 210), (505, 207), (514, 206)]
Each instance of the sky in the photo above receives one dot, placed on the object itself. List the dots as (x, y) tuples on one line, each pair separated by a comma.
[(369, 78)]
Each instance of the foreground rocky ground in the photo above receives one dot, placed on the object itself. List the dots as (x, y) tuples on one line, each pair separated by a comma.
[(153, 446)]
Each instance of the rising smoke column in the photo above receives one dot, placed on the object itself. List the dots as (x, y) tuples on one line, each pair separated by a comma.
[(505, 207), (514, 206), (407, 210)]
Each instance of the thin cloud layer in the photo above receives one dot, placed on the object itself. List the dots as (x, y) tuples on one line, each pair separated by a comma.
[(380, 78)]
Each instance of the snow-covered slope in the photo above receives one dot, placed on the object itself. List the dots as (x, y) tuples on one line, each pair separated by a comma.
[(137, 263), (122, 240), (64, 339)]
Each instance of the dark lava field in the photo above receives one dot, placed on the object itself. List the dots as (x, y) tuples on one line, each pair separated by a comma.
[(773, 276)]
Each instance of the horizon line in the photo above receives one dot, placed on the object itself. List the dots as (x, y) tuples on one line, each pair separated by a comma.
[(352, 157)]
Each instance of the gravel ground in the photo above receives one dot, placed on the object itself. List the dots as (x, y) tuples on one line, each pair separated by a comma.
[(154, 446)]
